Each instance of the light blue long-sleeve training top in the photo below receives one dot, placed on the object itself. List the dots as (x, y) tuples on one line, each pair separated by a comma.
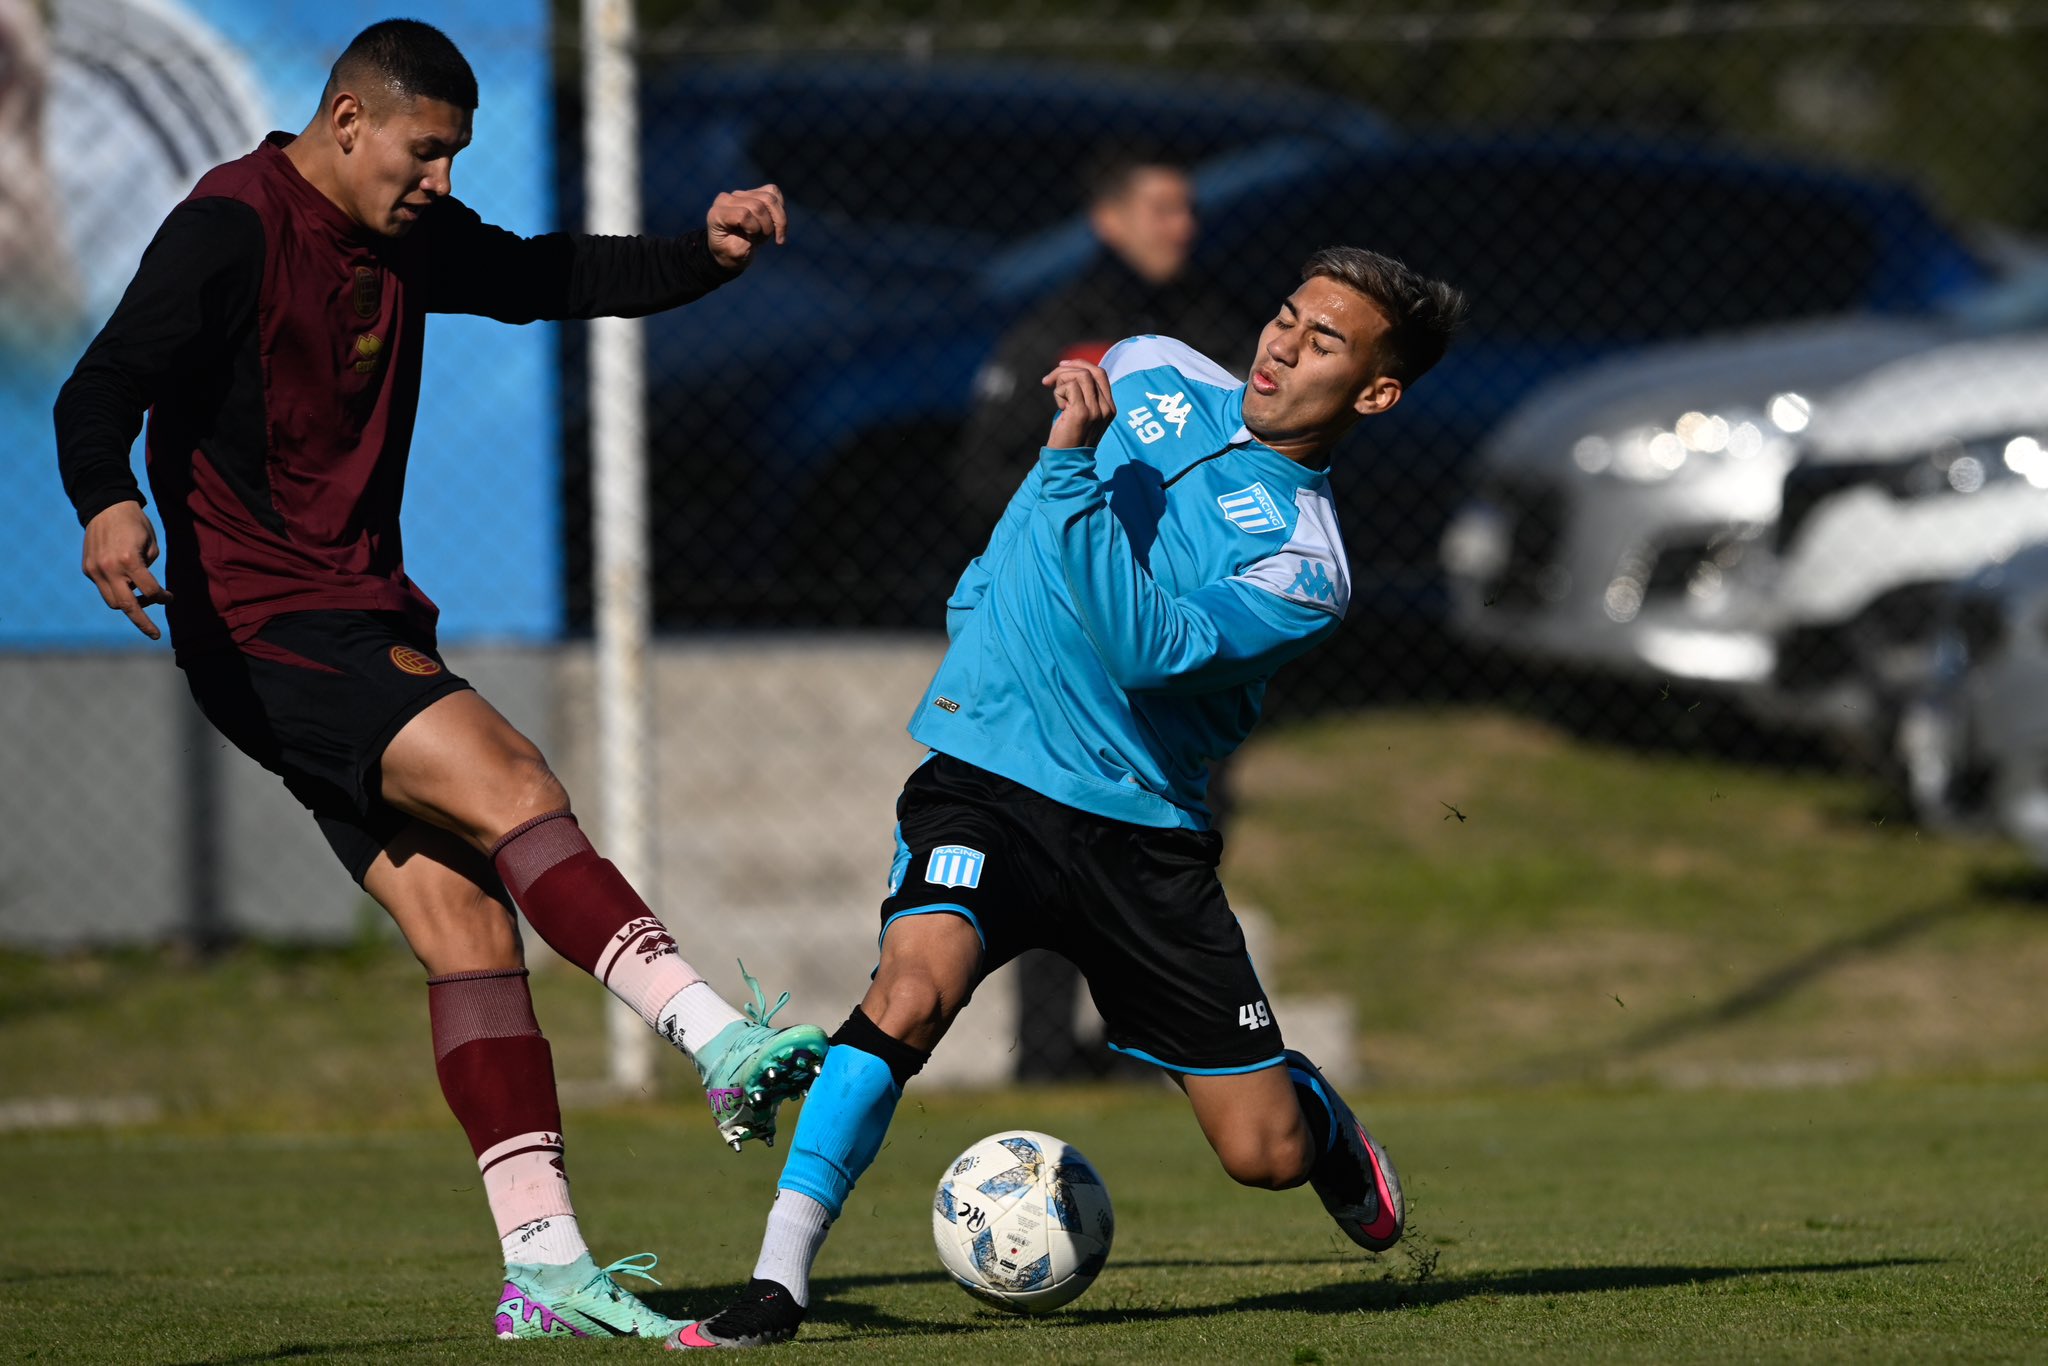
[(1116, 635)]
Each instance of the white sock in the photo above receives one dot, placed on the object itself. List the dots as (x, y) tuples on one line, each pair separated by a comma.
[(642, 967), (553, 1241), (693, 1017), (797, 1226), (528, 1188)]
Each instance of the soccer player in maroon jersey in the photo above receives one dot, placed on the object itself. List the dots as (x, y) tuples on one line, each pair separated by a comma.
[(273, 332)]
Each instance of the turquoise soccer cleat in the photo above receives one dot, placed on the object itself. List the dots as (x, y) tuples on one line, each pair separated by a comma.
[(579, 1301), (750, 1068)]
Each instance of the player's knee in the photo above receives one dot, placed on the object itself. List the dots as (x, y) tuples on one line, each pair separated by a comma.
[(911, 1004), (455, 925), (530, 782), (1275, 1160)]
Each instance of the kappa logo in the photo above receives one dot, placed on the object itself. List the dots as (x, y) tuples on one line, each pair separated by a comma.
[(954, 865), (1252, 509), (1312, 581), (413, 662), (1174, 408)]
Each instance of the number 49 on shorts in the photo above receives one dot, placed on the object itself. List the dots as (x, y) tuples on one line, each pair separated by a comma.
[(1254, 1016)]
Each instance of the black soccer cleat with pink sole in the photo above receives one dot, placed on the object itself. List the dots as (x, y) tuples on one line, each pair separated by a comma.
[(762, 1316), (1354, 1178)]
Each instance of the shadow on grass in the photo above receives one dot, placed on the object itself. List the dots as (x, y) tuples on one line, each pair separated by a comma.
[(2023, 887), (373, 1348), (1390, 1291), (1759, 994)]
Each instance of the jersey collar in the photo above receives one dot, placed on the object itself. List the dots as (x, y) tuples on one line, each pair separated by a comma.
[(1271, 463), (317, 206)]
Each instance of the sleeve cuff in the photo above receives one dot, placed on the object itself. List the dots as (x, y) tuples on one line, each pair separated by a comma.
[(697, 250), (92, 504), (1069, 473)]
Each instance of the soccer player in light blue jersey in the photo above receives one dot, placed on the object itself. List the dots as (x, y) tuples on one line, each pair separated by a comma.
[(1172, 548)]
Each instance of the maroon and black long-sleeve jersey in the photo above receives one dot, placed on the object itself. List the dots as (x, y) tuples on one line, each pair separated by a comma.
[(276, 345)]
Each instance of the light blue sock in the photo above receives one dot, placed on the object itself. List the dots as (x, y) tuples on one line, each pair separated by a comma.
[(841, 1126)]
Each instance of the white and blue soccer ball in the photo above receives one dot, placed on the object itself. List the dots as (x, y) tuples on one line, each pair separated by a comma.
[(1022, 1221)]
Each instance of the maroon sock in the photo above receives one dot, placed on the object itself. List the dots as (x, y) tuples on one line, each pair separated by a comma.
[(498, 1075), (496, 1070), (587, 912)]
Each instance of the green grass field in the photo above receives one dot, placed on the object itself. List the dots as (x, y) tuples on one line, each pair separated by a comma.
[(1681, 1060), (1891, 1222)]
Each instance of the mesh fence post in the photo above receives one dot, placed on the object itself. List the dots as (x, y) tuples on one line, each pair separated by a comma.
[(618, 473)]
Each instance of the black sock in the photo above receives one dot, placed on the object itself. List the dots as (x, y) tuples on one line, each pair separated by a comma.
[(903, 1061), (1315, 1108), (1334, 1172)]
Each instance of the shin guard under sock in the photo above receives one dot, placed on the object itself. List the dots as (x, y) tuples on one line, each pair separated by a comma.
[(847, 1113)]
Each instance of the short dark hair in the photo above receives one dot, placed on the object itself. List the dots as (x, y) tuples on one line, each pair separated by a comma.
[(415, 61), (1110, 177), (1423, 315)]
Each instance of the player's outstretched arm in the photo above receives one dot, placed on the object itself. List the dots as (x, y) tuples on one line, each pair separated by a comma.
[(470, 266), (120, 546)]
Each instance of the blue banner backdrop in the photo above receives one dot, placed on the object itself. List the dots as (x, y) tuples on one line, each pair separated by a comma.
[(139, 97)]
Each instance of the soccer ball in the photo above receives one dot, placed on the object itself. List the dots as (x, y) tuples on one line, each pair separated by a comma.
[(1022, 1221)]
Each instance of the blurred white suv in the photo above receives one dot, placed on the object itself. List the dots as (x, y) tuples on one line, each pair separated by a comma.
[(1757, 511), (1914, 477), (1619, 508)]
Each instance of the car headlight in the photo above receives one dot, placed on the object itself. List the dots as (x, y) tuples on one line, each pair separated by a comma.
[(1958, 467), (1696, 441), (2023, 456)]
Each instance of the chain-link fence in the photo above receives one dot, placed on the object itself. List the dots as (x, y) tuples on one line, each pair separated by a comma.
[(1744, 443)]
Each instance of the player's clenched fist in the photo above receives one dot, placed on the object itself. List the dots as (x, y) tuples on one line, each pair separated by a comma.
[(741, 218), (1081, 392)]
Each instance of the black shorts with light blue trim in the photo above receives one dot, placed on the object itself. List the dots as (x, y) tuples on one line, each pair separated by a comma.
[(1140, 911)]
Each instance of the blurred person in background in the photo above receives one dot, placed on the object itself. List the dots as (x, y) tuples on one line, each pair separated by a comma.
[(273, 333), (1141, 208)]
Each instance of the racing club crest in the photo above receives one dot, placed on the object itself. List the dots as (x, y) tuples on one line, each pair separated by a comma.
[(1252, 509), (954, 865)]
